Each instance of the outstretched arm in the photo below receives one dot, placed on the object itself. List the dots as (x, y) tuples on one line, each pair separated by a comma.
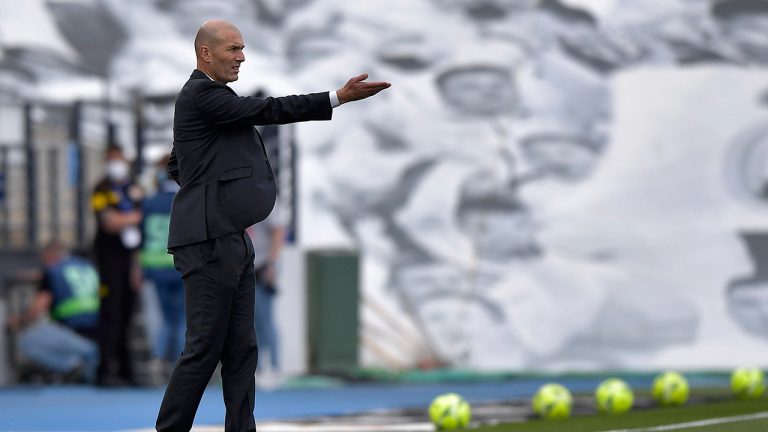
[(356, 89)]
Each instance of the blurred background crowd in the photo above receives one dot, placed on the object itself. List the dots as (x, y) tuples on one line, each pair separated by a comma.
[(550, 184)]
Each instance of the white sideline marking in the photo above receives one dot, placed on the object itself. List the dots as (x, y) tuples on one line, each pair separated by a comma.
[(294, 427), (698, 423), (427, 427), (284, 427)]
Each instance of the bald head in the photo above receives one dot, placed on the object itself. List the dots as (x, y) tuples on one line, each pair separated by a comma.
[(209, 34), (219, 49)]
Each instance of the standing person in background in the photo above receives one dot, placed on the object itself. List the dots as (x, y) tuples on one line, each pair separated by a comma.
[(268, 238), (58, 328), (116, 203), (158, 267), (227, 185)]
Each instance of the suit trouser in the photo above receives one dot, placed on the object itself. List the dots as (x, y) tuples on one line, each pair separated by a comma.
[(219, 302), (115, 313)]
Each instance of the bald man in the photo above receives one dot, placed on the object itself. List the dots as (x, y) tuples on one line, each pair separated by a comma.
[(227, 185)]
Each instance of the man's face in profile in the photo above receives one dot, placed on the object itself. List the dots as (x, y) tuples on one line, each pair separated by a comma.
[(225, 54)]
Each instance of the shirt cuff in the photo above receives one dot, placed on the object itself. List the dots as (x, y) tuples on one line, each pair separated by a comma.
[(334, 99)]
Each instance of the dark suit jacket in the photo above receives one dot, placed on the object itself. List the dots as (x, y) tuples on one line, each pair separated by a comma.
[(218, 158)]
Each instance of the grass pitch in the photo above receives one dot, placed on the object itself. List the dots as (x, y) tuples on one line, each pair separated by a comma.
[(728, 415)]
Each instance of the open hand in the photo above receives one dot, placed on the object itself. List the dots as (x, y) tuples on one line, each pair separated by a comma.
[(356, 89)]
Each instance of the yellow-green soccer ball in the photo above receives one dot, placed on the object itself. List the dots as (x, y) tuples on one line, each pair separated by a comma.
[(450, 411), (614, 396), (670, 389), (747, 383), (552, 401)]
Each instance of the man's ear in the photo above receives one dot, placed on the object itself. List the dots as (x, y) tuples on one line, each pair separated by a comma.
[(205, 54)]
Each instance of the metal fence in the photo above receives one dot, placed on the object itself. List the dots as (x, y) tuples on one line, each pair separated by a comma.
[(50, 154)]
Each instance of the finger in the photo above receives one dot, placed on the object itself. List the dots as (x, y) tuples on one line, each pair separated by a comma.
[(359, 78), (374, 89), (376, 85), (383, 84)]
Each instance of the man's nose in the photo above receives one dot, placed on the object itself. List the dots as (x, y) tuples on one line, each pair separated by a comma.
[(240, 57)]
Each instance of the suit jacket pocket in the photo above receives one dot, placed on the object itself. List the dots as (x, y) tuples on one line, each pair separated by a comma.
[(236, 173), (246, 199)]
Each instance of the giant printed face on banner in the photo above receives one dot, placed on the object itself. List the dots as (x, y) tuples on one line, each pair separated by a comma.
[(446, 305), (503, 225), (512, 141), (479, 90), (551, 139)]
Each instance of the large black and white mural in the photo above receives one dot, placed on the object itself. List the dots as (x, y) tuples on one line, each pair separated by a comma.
[(548, 184), (551, 185)]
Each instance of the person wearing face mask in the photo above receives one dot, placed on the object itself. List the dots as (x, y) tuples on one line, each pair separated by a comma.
[(157, 265), (116, 204)]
